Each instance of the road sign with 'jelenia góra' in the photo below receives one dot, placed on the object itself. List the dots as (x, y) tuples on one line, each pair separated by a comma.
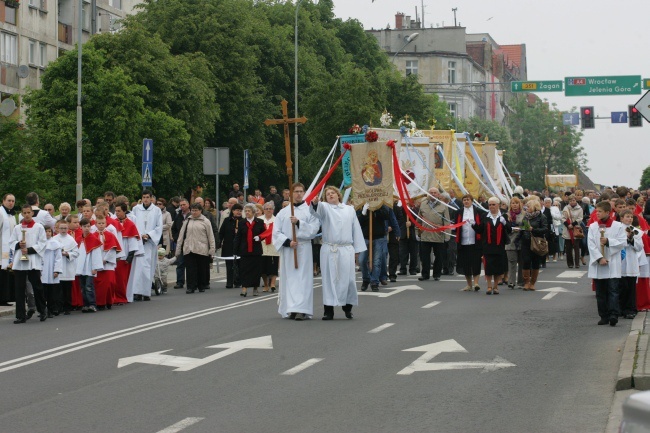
[(536, 86), (602, 86)]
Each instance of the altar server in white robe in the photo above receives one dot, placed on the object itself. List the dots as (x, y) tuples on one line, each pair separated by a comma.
[(7, 224), (32, 248), (342, 238), (606, 239), (148, 220), (296, 285)]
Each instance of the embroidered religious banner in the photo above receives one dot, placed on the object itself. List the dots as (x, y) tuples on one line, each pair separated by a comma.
[(472, 184), (372, 174), (444, 139), (561, 180), (416, 156), (345, 163)]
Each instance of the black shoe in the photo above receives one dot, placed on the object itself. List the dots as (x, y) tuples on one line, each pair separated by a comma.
[(109, 306), (101, 307), (201, 290), (413, 273), (423, 278), (146, 298), (384, 282), (189, 291), (401, 273), (364, 286), (292, 316), (613, 321), (227, 287), (393, 280), (17, 321), (43, 316), (374, 287), (436, 278), (66, 313), (137, 298), (272, 289), (603, 322), (50, 315), (347, 309), (477, 288), (30, 313), (328, 313), (179, 286)]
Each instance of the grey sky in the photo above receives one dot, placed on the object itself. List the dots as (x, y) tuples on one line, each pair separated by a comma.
[(563, 38)]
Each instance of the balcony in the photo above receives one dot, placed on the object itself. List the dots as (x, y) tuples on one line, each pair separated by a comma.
[(65, 33)]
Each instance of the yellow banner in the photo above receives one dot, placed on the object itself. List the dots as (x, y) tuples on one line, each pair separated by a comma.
[(471, 183), (371, 165), (445, 139)]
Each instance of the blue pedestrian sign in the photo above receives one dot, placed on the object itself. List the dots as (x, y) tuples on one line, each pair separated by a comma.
[(147, 150), (147, 173), (571, 119), (619, 117)]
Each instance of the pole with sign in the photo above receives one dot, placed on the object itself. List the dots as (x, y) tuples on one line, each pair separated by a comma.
[(147, 162), (246, 169)]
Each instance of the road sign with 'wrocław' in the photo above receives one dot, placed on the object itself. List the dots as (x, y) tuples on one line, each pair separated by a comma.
[(536, 86), (147, 162), (602, 86)]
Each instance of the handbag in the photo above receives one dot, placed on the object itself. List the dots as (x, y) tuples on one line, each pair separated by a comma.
[(578, 233), (538, 245)]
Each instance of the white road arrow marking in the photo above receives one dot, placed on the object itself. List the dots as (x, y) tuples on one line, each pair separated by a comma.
[(435, 349), (392, 292), (183, 363), (572, 274), (553, 291)]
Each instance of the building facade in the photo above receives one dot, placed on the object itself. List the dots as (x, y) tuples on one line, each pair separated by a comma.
[(470, 72), (36, 32)]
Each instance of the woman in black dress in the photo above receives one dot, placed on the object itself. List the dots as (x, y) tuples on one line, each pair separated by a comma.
[(248, 246), (227, 234)]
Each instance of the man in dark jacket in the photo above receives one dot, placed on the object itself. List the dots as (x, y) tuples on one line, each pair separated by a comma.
[(275, 197), (379, 244), (179, 219), (408, 243)]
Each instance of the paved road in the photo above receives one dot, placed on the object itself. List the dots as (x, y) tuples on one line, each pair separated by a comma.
[(509, 363)]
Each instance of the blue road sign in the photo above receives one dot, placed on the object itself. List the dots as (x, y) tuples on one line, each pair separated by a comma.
[(246, 168), (619, 117), (571, 119), (147, 150), (147, 173)]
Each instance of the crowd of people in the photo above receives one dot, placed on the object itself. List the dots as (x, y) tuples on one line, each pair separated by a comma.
[(112, 253)]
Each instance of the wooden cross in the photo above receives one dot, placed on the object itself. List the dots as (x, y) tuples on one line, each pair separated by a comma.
[(287, 148)]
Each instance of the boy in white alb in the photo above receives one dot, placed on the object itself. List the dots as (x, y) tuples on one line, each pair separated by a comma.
[(88, 263), (629, 266), (69, 254), (52, 268), (606, 239), (28, 262)]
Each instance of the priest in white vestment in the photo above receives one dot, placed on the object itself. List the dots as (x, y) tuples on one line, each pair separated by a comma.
[(148, 220), (342, 238), (296, 285)]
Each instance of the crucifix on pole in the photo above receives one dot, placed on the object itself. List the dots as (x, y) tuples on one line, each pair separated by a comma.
[(287, 148)]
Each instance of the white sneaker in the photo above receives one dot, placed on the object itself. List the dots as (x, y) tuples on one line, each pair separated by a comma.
[(466, 289)]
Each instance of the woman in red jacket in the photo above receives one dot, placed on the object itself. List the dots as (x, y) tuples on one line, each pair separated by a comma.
[(248, 246)]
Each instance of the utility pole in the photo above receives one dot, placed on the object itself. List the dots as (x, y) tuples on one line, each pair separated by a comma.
[(454, 11)]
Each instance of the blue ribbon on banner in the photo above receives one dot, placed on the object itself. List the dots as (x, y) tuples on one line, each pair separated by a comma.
[(345, 163)]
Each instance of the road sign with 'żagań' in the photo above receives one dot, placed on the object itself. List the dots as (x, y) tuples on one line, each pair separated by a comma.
[(536, 86), (602, 86)]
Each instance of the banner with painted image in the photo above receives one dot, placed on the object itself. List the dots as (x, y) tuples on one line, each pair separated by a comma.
[(372, 174), (345, 162), (416, 161), (445, 139)]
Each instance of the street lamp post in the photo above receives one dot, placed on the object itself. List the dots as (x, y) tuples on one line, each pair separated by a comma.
[(295, 93), (407, 40), (79, 189)]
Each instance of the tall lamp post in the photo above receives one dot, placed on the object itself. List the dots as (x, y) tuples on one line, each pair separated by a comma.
[(295, 93), (407, 40), (79, 189)]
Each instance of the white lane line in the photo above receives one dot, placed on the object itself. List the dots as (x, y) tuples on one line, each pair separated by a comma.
[(572, 274), (380, 328), (558, 282), (431, 305), (305, 365), (62, 350), (181, 425)]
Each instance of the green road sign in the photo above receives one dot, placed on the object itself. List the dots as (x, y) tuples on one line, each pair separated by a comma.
[(602, 86), (646, 83), (536, 86)]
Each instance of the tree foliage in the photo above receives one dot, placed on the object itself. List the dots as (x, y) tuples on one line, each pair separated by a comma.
[(541, 141), (645, 179)]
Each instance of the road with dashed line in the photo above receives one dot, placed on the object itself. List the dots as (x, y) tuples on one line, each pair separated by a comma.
[(419, 356)]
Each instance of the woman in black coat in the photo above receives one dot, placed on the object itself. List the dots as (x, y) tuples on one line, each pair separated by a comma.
[(494, 229), (227, 233), (248, 246), (468, 240), (534, 224)]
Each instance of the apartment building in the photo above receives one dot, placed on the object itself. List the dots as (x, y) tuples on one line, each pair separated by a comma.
[(36, 32)]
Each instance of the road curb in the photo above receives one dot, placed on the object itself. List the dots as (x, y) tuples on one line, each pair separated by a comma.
[(625, 376), (7, 311)]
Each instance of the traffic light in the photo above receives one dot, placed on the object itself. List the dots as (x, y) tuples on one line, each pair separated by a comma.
[(635, 117), (587, 117)]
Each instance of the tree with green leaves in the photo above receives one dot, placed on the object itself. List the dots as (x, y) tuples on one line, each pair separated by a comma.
[(492, 131), (645, 179), (541, 141)]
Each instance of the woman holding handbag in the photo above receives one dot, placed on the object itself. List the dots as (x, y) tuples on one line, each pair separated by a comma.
[(196, 244), (533, 225), (573, 234)]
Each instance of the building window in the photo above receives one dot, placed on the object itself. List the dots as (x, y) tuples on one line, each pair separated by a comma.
[(85, 16), (117, 4), (8, 48), (34, 3), (451, 72), (32, 52), (453, 109), (411, 67), (10, 15), (43, 55)]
